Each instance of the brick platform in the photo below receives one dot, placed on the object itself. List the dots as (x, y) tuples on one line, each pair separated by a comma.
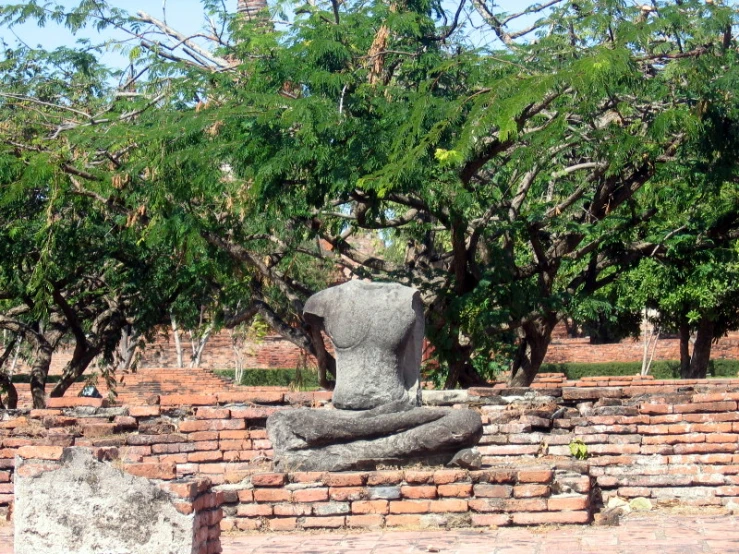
[(672, 441), (552, 493)]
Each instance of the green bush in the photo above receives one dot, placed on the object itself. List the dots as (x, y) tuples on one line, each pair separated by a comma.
[(50, 380), (301, 380), (660, 370)]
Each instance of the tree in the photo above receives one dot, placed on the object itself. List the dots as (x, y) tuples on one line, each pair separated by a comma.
[(518, 177)]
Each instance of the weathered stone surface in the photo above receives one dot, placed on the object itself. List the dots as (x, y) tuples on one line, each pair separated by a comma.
[(469, 458), (377, 330), (89, 507), (377, 333), (444, 397), (313, 440)]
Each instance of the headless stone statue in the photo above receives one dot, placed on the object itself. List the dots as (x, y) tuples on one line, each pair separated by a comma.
[(377, 333)]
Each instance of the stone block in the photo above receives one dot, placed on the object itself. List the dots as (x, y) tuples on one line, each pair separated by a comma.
[(85, 506)]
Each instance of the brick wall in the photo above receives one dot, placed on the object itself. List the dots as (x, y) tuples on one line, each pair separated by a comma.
[(275, 352), (665, 440), (566, 350)]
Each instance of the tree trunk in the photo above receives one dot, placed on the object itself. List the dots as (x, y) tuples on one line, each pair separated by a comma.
[(684, 350), (702, 349), (11, 398), (6, 378), (326, 362), (177, 341), (39, 372), (74, 368), (253, 10), (535, 339)]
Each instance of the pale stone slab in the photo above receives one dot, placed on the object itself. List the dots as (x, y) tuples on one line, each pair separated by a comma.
[(91, 507)]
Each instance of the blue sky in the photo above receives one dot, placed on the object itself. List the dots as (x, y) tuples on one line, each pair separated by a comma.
[(184, 15)]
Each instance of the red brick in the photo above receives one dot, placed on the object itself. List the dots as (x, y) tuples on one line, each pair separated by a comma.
[(307, 477), (246, 495), (269, 479), (212, 468), (38, 414), (526, 505), (483, 490), (537, 476), (256, 397), (187, 400), (212, 425), (235, 435), (409, 506), (75, 401), (370, 507), (490, 520), (199, 446), (4, 476), (182, 490), (674, 439), (530, 491), (205, 456), (447, 505), (634, 492), (254, 510), (311, 495), (568, 503), (715, 397), (144, 411), (52, 422), (463, 490), (227, 525), (726, 406), (419, 491), (727, 491), (722, 437), (662, 449), (524, 518), (41, 452), (342, 494), (446, 476), (185, 508), (252, 413), (509, 450), (333, 522), (292, 509), (199, 436), (726, 427), (413, 477), (152, 471), (375, 478), (704, 448), (212, 413), (235, 445), (272, 495), (403, 521), (371, 521), (493, 476), (283, 524), (655, 409), (248, 524), (344, 479), (17, 443)]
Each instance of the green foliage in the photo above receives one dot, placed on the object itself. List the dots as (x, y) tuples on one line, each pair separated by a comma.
[(295, 379), (721, 369), (578, 449)]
